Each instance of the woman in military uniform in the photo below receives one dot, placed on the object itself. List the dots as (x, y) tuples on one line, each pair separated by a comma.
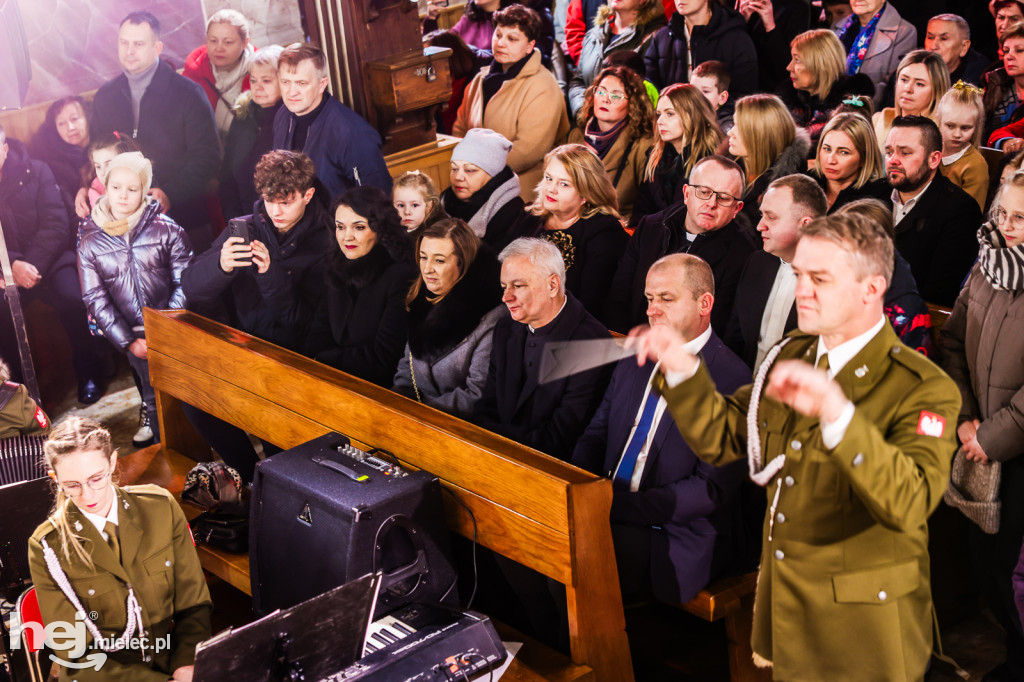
[(122, 556)]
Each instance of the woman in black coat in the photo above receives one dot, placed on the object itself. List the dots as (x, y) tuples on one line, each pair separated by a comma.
[(61, 143), (360, 327)]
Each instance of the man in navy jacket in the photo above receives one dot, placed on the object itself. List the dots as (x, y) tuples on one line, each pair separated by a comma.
[(345, 149), (677, 523)]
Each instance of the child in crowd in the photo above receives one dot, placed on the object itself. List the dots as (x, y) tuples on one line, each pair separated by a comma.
[(961, 116), (712, 79), (131, 256), (101, 153), (417, 202)]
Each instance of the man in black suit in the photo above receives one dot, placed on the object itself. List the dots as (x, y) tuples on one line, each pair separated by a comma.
[(171, 119), (551, 416), (702, 224), (936, 222), (764, 309), (676, 521)]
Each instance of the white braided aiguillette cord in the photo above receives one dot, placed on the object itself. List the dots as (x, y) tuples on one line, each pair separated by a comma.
[(759, 475), (133, 615)]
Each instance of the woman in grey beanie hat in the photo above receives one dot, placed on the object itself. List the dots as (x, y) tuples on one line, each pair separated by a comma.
[(484, 191)]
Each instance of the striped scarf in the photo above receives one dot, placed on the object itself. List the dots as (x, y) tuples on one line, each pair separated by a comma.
[(1002, 266)]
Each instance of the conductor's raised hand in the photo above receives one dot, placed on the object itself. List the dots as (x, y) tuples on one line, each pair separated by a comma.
[(662, 344), (807, 390)]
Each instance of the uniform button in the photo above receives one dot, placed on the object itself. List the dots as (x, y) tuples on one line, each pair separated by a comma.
[(790, 481), (796, 445), (764, 424), (92, 592), (780, 555), (858, 459), (895, 350), (882, 595), (780, 517), (167, 563)]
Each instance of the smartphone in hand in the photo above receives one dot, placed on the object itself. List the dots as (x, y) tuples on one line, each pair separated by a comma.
[(239, 227)]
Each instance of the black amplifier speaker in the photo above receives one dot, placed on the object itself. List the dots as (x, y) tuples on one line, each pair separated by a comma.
[(325, 513)]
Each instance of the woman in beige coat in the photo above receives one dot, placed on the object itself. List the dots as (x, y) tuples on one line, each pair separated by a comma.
[(517, 97)]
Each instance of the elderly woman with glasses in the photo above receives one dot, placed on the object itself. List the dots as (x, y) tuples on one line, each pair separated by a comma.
[(125, 557)]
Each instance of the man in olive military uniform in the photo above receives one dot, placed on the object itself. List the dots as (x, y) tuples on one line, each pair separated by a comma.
[(852, 438)]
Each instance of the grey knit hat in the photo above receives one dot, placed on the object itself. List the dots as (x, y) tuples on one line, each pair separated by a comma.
[(483, 148), (974, 490)]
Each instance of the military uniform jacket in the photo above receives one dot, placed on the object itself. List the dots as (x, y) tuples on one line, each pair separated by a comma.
[(158, 559), (844, 586)]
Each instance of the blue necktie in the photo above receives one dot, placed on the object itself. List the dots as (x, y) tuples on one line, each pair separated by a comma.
[(624, 474)]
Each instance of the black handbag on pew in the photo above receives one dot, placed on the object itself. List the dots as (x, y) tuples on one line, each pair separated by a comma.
[(223, 529)]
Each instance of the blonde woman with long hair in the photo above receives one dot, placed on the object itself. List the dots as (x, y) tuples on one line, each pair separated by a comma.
[(770, 146), (687, 131), (577, 210), (848, 165), (921, 81), (124, 556)]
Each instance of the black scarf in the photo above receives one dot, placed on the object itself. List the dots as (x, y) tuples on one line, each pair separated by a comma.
[(464, 209), (497, 77), (359, 272)]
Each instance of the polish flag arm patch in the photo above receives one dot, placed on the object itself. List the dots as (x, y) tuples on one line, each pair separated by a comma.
[(41, 418), (931, 424)]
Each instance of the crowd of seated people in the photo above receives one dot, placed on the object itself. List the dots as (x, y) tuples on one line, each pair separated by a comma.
[(621, 164)]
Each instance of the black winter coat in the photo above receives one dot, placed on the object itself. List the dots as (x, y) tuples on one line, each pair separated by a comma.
[(938, 237), (725, 250), (724, 38), (792, 17), (591, 248), (277, 306), (813, 113), (360, 327), (37, 230), (248, 139), (176, 132)]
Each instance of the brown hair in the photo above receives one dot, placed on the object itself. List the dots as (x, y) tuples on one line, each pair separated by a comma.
[(523, 18), (281, 173), (640, 114), (698, 120), (296, 53), (713, 68), (588, 177), (463, 239), (121, 143), (872, 209), (869, 245), (70, 436), (807, 193)]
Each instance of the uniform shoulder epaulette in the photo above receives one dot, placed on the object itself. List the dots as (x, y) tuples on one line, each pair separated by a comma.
[(914, 361), (148, 489)]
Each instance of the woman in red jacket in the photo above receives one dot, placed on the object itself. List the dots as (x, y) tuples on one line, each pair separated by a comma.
[(221, 66)]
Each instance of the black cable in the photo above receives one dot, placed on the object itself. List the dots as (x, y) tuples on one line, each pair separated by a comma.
[(375, 451), (490, 664), (472, 595)]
